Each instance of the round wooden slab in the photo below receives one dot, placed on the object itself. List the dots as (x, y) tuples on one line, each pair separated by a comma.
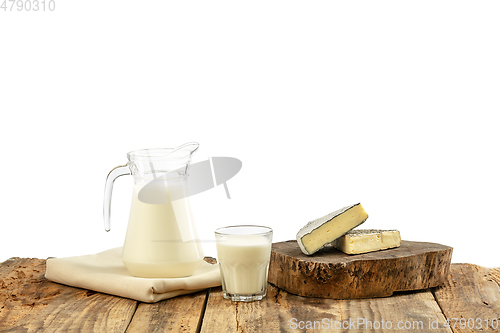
[(330, 273)]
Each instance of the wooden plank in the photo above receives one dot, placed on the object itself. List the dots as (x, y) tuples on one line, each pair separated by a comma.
[(31, 303), (472, 294), (220, 314), (179, 314), (182, 314), (404, 311), (331, 273), (280, 311)]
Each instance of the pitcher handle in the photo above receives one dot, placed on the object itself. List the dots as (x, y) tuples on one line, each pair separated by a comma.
[(121, 170)]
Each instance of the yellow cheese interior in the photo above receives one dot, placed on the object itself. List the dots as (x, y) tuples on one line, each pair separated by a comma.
[(334, 228), (356, 244)]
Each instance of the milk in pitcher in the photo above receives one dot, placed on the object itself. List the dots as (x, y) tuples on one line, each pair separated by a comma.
[(159, 243)]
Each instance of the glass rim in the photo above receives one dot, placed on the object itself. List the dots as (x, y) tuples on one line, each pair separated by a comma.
[(164, 153), (268, 230), (153, 154)]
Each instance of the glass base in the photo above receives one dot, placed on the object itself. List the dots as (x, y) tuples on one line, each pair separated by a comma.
[(244, 298)]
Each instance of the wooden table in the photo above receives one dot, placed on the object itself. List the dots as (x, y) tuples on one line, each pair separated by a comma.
[(31, 303)]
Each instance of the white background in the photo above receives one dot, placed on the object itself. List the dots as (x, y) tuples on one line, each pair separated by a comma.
[(392, 104)]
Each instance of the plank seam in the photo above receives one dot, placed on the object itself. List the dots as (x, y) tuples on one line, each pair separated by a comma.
[(203, 309), (237, 318), (440, 308), (132, 317)]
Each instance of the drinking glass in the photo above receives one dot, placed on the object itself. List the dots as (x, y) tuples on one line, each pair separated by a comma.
[(243, 253)]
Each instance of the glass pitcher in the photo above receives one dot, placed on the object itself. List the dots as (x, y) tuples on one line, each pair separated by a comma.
[(161, 239)]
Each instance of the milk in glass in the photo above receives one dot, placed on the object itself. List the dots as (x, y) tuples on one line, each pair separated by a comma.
[(244, 263)]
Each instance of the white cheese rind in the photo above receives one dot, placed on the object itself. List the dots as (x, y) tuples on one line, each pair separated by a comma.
[(317, 233), (367, 240)]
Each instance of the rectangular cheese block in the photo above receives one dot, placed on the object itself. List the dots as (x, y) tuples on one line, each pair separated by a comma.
[(316, 234), (367, 240)]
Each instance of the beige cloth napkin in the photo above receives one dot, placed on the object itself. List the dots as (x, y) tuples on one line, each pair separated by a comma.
[(105, 272)]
